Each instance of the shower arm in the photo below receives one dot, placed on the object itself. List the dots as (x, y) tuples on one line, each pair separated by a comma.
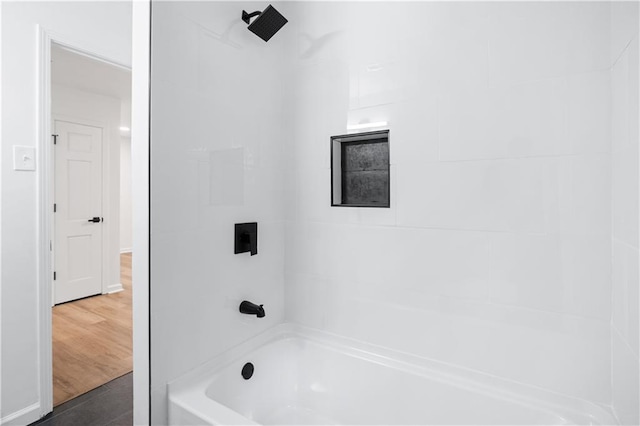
[(246, 17)]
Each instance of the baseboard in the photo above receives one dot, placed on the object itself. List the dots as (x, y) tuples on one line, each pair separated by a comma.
[(125, 250), (114, 288), (22, 417)]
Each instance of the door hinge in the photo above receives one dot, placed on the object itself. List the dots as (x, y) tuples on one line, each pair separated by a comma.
[(55, 139), (54, 276), (54, 207)]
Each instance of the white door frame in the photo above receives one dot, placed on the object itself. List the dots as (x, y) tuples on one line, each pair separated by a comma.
[(45, 210), (141, 186)]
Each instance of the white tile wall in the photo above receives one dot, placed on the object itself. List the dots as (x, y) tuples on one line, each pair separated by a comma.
[(625, 296), (589, 109), (529, 271), (625, 149), (505, 195), (625, 293), (496, 251), (624, 26), (626, 391), (216, 160), (533, 41), (528, 119)]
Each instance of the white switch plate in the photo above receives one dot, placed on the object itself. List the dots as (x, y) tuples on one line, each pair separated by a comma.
[(24, 158)]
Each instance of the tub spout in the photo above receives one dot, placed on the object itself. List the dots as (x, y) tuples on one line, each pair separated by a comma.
[(249, 308)]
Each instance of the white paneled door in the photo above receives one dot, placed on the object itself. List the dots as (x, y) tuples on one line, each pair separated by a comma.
[(78, 211)]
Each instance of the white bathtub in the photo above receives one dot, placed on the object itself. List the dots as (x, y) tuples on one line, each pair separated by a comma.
[(305, 376)]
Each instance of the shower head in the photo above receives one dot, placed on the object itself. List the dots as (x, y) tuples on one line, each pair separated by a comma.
[(266, 24)]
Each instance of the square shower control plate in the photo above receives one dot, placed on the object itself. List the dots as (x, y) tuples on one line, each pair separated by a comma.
[(246, 238)]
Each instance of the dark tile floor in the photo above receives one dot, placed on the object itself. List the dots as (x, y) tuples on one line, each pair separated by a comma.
[(109, 405)]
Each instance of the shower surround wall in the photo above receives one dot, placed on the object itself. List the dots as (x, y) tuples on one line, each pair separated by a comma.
[(625, 327), (217, 160), (496, 252)]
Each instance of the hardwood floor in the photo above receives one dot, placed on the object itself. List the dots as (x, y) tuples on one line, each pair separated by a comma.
[(92, 340)]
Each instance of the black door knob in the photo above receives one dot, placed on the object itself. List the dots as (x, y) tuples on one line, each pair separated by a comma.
[(94, 220)]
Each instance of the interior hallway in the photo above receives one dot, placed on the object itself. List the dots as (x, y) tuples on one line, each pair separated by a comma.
[(92, 340)]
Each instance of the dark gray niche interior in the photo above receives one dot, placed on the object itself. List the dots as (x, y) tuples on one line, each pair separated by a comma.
[(360, 170)]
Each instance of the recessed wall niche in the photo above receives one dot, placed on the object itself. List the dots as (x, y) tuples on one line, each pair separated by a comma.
[(360, 170)]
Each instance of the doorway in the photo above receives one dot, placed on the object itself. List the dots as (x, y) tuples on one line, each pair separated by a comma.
[(91, 254)]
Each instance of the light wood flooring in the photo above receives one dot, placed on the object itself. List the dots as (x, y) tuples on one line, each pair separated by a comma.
[(92, 340)]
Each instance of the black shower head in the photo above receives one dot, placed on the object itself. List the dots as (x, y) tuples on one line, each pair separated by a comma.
[(266, 24)]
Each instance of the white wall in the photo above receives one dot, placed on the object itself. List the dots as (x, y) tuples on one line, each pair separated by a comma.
[(626, 279), (126, 207), (495, 253), (216, 160), (103, 28), (93, 109)]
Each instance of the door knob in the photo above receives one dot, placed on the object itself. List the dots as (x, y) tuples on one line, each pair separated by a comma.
[(94, 220)]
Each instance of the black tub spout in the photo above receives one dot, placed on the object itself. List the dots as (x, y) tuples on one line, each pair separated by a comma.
[(249, 308)]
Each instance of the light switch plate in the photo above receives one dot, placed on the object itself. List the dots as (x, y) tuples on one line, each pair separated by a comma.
[(24, 158)]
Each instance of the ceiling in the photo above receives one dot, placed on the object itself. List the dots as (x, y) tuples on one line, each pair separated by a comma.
[(91, 75)]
